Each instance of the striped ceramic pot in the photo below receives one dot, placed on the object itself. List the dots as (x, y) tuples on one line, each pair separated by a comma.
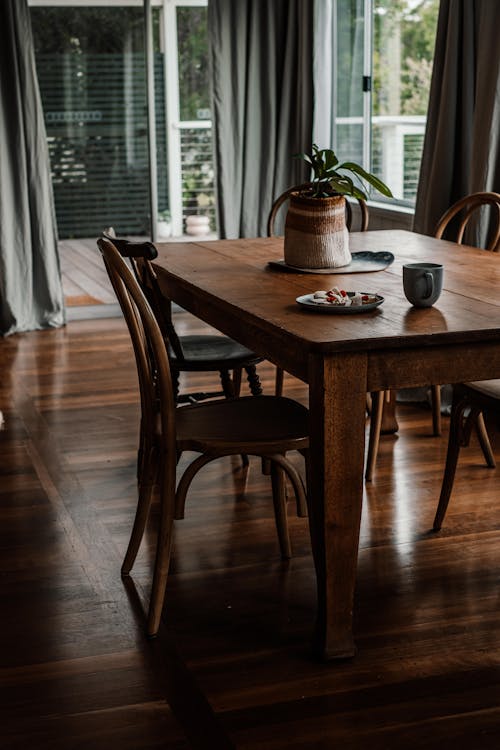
[(316, 235)]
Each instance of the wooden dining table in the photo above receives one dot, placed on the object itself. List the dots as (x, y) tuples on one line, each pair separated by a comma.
[(229, 284)]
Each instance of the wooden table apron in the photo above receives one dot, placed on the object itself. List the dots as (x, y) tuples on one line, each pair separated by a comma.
[(228, 284)]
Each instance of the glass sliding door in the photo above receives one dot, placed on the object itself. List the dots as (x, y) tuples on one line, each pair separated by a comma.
[(91, 70)]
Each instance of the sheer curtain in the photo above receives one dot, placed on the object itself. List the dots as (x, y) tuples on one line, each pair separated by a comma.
[(462, 143), (30, 282), (261, 59)]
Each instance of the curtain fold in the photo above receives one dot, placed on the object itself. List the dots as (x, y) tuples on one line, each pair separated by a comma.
[(30, 281), (261, 63), (461, 149)]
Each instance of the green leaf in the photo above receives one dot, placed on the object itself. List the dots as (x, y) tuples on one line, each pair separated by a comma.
[(326, 169), (345, 186), (368, 177), (330, 159)]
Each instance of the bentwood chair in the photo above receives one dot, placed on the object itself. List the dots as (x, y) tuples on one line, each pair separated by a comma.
[(192, 353), (469, 399), (469, 402), (265, 426), (452, 225)]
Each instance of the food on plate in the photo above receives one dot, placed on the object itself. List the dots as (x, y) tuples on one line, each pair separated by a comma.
[(337, 296)]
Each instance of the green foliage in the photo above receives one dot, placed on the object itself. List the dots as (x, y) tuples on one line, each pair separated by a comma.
[(404, 38), (194, 82), (92, 29), (332, 178)]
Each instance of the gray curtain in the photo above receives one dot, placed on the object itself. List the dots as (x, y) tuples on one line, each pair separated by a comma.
[(30, 281), (462, 143), (261, 60)]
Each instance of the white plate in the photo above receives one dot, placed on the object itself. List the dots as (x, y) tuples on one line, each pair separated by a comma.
[(307, 300)]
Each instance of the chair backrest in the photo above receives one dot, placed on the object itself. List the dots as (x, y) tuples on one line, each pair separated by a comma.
[(466, 207), (140, 255), (153, 369), (283, 198)]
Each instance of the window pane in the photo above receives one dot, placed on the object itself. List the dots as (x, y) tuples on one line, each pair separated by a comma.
[(192, 42), (403, 48), (349, 105), (198, 196)]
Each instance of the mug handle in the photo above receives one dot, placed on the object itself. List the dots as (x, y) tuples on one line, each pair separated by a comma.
[(430, 284)]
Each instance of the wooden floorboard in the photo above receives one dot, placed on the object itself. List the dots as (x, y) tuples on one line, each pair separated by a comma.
[(231, 666), (84, 278)]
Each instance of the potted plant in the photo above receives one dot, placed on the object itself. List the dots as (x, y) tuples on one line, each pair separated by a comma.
[(316, 235), (163, 225)]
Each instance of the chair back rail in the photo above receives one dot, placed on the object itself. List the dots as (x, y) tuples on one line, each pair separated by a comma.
[(153, 369), (464, 209), (140, 255)]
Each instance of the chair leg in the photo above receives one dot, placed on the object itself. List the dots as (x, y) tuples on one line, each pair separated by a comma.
[(377, 408), (227, 384), (455, 441), (175, 382), (253, 380), (389, 419), (280, 514), (232, 388), (278, 387), (185, 482), (368, 403), (484, 441), (163, 546), (436, 409), (146, 485), (295, 479), (237, 381)]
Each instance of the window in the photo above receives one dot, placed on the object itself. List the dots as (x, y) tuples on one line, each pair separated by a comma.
[(382, 65)]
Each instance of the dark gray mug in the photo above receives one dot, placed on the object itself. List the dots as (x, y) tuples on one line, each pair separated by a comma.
[(422, 283)]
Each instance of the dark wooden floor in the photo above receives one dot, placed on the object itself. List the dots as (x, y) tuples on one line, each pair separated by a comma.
[(231, 667)]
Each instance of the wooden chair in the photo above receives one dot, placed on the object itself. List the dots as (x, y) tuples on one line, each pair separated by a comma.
[(193, 353), (461, 211), (453, 223), (266, 426), (469, 402), (469, 399)]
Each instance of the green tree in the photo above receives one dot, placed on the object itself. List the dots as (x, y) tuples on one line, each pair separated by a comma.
[(404, 38)]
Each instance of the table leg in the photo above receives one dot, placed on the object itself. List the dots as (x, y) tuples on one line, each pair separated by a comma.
[(337, 401)]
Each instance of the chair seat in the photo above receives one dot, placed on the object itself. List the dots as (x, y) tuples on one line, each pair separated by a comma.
[(268, 423), (489, 388), (206, 352)]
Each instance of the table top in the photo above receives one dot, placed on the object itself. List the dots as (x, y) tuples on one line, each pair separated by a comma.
[(235, 272)]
